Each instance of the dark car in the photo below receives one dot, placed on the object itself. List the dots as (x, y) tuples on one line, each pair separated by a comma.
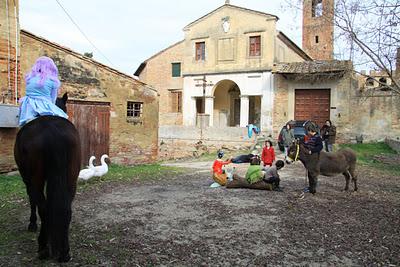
[(299, 132)]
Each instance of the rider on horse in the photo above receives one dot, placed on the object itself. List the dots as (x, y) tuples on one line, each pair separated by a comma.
[(42, 86)]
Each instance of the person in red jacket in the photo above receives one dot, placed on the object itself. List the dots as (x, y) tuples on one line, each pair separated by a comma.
[(219, 175), (268, 154)]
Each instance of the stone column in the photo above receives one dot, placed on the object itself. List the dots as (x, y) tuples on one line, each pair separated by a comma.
[(244, 110), (209, 109)]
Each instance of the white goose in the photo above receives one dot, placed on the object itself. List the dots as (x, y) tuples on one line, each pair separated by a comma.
[(87, 173), (103, 168)]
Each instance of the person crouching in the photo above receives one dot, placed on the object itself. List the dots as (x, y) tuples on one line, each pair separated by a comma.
[(271, 175)]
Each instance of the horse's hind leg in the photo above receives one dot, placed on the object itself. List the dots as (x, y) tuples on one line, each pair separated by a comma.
[(43, 238), (346, 175), (32, 227)]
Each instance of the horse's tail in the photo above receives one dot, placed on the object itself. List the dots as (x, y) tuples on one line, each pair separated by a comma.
[(63, 159), (59, 200)]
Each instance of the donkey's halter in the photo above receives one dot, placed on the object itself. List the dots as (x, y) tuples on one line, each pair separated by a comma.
[(297, 153)]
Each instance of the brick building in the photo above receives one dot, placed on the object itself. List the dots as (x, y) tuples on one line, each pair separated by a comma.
[(234, 67), (114, 113), (318, 28)]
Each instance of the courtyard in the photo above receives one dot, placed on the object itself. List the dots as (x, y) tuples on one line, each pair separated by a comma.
[(168, 215)]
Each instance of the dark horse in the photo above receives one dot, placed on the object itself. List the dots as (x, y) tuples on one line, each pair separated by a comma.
[(48, 153), (329, 164)]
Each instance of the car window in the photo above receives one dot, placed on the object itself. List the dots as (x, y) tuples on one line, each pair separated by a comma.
[(299, 131)]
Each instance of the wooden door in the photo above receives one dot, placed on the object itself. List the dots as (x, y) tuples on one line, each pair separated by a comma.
[(92, 120), (312, 104)]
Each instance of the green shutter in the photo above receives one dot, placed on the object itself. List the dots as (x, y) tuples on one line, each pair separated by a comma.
[(176, 69)]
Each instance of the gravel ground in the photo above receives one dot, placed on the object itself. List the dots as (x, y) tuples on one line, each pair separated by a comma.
[(181, 221)]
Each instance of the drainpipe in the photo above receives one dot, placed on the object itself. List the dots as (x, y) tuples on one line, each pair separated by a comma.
[(16, 52), (8, 50)]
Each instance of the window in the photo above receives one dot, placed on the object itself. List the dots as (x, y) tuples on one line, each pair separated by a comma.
[(382, 81), (255, 46), (176, 69), (316, 39), (317, 8), (176, 101), (134, 112), (200, 51), (369, 82)]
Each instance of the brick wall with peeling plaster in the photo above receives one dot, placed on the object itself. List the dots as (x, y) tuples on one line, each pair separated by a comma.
[(86, 79)]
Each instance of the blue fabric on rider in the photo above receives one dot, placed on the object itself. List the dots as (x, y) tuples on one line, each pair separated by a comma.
[(39, 101)]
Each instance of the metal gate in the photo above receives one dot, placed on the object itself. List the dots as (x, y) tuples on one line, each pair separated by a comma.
[(312, 104), (92, 120)]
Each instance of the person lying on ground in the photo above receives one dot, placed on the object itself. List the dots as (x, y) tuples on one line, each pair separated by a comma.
[(246, 158)]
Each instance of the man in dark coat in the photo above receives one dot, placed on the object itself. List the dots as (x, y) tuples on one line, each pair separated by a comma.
[(314, 145), (328, 133)]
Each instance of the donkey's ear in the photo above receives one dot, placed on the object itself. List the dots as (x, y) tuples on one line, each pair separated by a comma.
[(65, 97)]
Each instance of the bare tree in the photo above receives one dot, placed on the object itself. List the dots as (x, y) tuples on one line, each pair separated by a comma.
[(368, 33)]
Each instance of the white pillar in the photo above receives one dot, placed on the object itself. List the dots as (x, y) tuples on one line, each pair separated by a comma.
[(189, 111), (244, 110), (209, 109)]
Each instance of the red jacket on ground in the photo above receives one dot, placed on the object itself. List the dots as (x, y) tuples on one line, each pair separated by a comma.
[(268, 155)]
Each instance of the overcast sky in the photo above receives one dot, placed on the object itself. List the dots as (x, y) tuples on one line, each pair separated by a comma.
[(128, 32)]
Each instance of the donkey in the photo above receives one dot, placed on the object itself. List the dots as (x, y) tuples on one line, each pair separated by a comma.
[(330, 163)]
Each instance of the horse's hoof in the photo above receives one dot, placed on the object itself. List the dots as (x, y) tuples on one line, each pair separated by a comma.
[(32, 227), (65, 258), (44, 254)]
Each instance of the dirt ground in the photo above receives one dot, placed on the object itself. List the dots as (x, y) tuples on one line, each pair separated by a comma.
[(181, 221)]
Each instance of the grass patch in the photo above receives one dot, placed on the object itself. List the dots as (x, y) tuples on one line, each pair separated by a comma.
[(12, 187), (119, 173), (369, 154)]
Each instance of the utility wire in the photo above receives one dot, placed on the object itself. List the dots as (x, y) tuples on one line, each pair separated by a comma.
[(80, 30)]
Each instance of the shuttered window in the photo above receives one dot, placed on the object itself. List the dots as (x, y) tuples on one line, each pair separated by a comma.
[(255, 46), (176, 69), (176, 101), (200, 51)]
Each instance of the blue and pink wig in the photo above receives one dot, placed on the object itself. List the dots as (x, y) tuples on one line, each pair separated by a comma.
[(44, 68)]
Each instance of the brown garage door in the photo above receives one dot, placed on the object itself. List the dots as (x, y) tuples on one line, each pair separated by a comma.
[(92, 119), (312, 104)]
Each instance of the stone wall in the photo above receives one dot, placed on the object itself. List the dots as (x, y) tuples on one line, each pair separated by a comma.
[(186, 141), (375, 115), (394, 144)]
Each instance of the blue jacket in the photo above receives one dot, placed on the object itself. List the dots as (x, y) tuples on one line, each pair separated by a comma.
[(314, 144)]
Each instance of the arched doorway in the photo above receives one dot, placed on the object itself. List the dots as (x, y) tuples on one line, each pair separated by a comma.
[(226, 104)]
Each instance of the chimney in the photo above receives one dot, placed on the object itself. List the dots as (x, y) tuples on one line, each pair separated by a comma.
[(227, 2)]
